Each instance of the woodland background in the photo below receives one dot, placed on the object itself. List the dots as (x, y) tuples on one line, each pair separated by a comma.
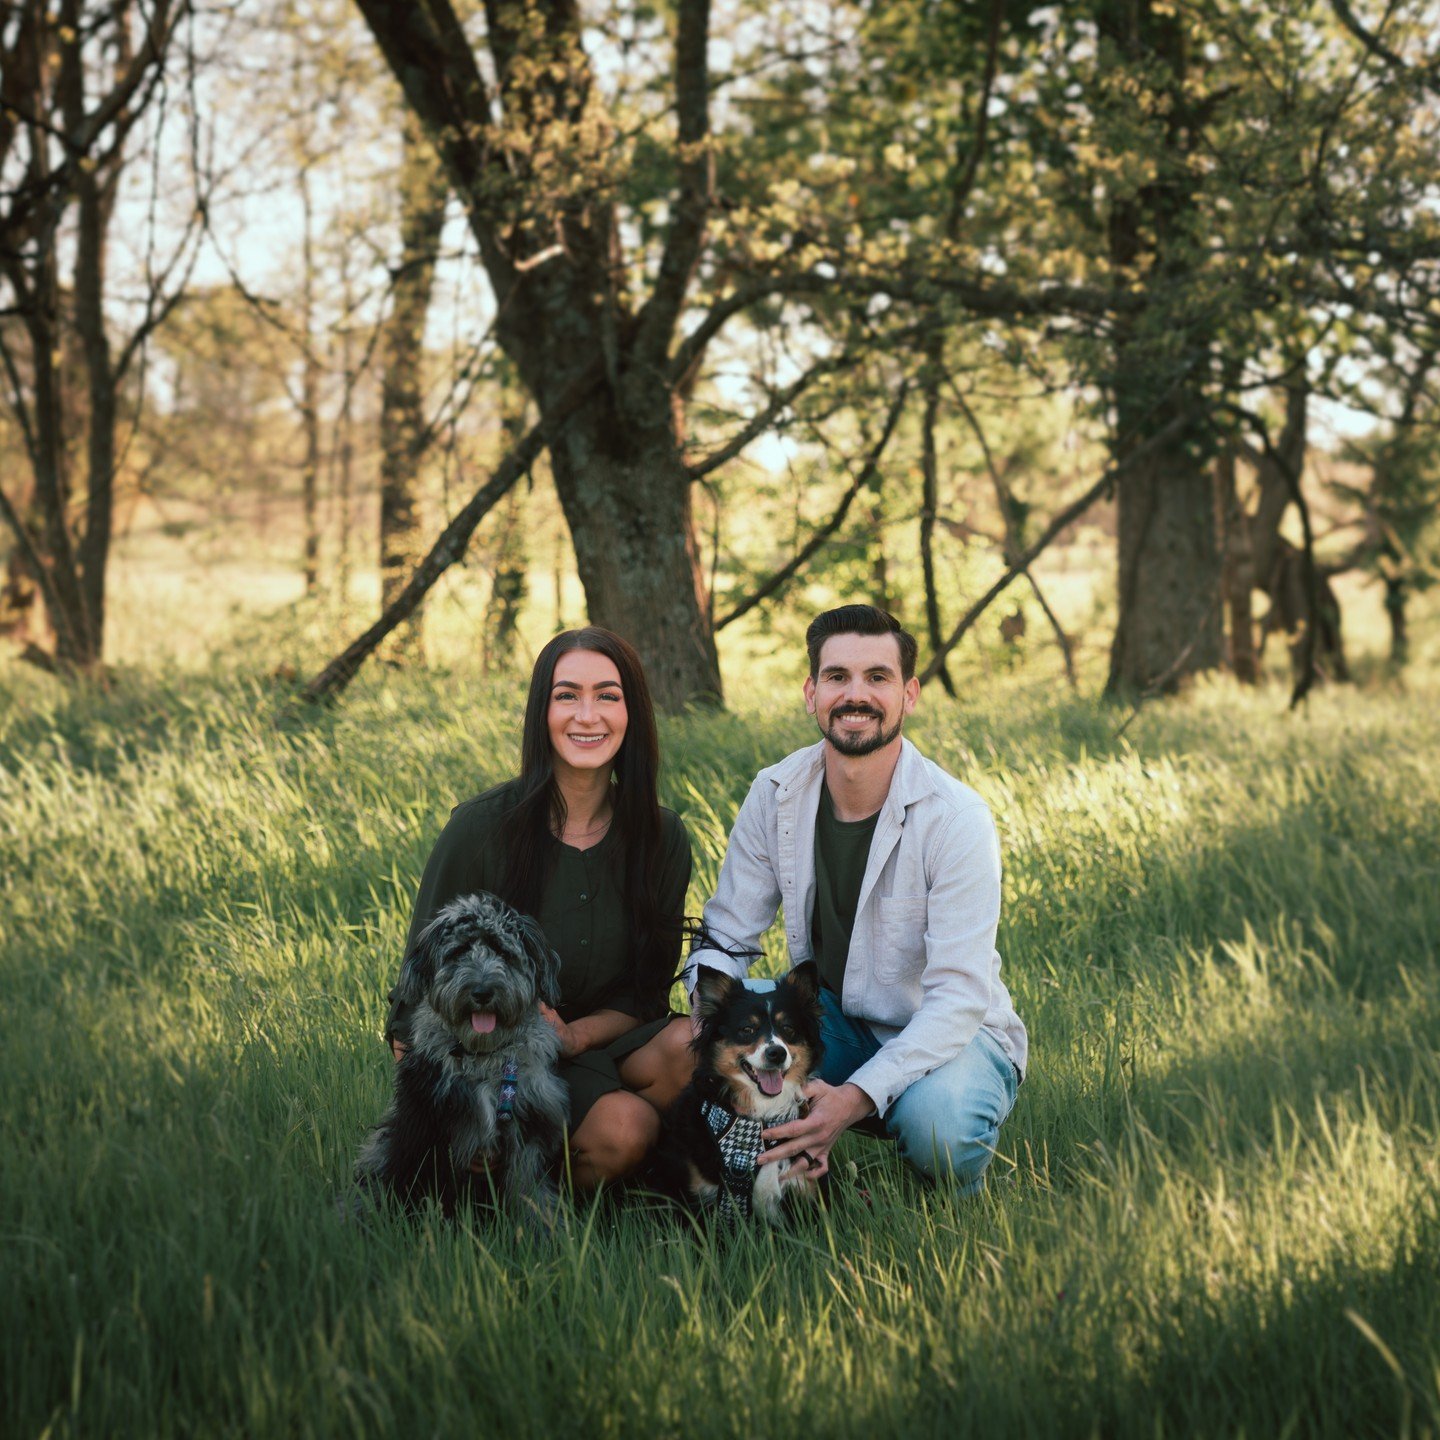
[(349, 350)]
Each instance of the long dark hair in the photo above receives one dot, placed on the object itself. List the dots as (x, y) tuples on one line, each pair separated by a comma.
[(528, 829)]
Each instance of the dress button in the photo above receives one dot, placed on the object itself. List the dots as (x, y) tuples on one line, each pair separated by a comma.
[(584, 942)]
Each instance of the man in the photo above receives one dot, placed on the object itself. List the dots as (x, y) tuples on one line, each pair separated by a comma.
[(889, 873)]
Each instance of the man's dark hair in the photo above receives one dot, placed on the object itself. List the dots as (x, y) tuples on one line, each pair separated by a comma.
[(860, 620)]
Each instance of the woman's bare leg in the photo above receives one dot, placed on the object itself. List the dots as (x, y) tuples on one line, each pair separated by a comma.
[(614, 1138), (658, 1071)]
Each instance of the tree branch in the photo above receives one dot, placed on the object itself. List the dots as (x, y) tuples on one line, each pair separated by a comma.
[(1377, 47), (426, 48), (450, 546), (1027, 557), (656, 322), (779, 403), (786, 573)]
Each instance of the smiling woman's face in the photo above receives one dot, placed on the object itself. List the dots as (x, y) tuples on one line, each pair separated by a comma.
[(587, 715)]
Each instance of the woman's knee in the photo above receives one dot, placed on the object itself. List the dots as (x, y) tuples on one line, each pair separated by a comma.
[(616, 1136)]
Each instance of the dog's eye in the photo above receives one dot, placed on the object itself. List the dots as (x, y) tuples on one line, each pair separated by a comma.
[(747, 1032), (787, 1032)]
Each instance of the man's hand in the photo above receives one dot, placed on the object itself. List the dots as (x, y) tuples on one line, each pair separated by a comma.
[(570, 1045), (833, 1110)]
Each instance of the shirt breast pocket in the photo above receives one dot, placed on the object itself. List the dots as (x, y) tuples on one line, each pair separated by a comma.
[(900, 936)]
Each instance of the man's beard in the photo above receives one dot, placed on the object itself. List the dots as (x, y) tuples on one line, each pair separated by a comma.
[(861, 742)]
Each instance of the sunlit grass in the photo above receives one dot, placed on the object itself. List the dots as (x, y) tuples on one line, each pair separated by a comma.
[(1216, 1209)]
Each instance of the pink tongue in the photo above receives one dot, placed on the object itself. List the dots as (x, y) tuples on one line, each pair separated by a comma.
[(482, 1022), (770, 1081)]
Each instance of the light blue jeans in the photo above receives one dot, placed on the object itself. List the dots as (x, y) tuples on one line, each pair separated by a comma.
[(947, 1122)]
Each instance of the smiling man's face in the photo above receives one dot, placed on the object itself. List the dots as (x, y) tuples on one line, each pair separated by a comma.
[(858, 697)]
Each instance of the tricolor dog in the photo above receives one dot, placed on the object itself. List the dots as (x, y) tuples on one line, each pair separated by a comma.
[(755, 1053)]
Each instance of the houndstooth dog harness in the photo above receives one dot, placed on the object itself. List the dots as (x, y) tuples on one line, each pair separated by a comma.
[(740, 1140)]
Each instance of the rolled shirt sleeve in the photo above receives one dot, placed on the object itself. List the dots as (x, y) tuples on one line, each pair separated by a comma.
[(963, 914)]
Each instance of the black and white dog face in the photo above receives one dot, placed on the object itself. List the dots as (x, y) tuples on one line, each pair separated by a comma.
[(478, 969), (760, 1047)]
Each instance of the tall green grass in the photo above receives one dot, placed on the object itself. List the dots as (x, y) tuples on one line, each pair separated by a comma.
[(1215, 1211)]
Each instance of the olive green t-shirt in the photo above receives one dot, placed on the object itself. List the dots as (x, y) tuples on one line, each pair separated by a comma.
[(582, 909), (842, 850)]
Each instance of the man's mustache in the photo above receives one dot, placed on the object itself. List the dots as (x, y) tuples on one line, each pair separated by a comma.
[(855, 710)]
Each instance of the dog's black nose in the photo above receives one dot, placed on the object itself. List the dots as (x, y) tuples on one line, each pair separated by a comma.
[(482, 998), (775, 1055)]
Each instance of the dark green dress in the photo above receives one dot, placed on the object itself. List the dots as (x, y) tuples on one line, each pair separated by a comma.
[(582, 913)]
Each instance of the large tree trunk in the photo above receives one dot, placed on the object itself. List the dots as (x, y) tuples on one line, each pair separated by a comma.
[(551, 243), (1168, 626), (626, 496), (404, 437)]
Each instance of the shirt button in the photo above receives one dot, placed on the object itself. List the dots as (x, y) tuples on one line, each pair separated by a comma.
[(584, 942), (583, 895)]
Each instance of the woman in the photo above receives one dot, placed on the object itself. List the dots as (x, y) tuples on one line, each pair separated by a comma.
[(580, 842)]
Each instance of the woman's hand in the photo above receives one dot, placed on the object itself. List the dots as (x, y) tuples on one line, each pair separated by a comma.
[(571, 1044)]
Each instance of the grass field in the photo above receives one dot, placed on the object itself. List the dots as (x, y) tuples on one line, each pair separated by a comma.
[(1216, 1210)]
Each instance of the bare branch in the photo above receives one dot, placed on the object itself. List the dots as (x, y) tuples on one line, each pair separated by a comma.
[(1377, 47), (656, 322), (779, 403), (1027, 557), (450, 546), (786, 573)]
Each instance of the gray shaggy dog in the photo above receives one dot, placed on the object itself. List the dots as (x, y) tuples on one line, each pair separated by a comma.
[(478, 1081)]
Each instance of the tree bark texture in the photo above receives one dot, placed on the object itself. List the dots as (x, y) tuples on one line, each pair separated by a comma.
[(404, 434), (1237, 569), (929, 502), (541, 211), (309, 405), (1169, 622), (1169, 614)]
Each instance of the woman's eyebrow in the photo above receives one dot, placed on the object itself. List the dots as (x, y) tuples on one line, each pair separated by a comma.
[(579, 685)]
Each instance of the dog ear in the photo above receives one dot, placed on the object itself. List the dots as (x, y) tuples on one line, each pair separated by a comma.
[(417, 974), (804, 982), (543, 958), (713, 990)]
